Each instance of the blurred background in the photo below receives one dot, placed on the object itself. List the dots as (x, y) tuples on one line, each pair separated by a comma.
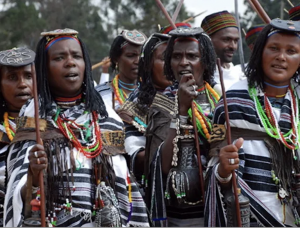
[(99, 21)]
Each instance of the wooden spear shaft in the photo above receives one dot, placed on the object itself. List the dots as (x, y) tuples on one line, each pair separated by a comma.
[(39, 141), (175, 15), (193, 107), (260, 11), (161, 6), (228, 133)]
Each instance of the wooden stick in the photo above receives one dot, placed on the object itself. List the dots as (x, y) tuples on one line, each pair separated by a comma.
[(193, 106), (244, 31), (193, 17), (39, 141), (290, 3), (175, 15), (241, 51), (100, 64), (228, 133), (260, 11), (285, 10), (161, 6)]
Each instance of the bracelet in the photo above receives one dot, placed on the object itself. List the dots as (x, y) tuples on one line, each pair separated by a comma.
[(34, 189), (173, 124), (221, 179), (183, 119)]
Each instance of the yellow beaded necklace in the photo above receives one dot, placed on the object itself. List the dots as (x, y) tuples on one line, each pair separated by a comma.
[(9, 130)]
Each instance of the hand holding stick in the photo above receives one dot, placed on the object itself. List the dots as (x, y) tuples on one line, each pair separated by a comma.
[(228, 133)]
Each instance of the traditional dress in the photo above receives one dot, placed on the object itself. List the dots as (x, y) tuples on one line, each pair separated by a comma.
[(73, 181), (266, 165), (4, 143), (160, 197)]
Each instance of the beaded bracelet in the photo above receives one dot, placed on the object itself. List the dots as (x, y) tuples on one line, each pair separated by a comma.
[(34, 189), (173, 124), (222, 179), (183, 119)]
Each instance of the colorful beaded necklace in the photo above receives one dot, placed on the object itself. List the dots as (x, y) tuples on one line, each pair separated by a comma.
[(203, 121), (10, 131), (120, 94), (92, 147), (269, 122)]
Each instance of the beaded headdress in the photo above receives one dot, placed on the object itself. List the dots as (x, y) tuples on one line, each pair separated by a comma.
[(17, 57), (134, 37), (59, 34), (294, 13), (162, 38), (284, 26), (167, 29), (253, 33), (217, 21)]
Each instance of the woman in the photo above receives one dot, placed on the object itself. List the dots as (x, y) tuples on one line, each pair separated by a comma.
[(264, 119), (134, 111), (15, 90), (124, 54), (190, 63), (88, 183)]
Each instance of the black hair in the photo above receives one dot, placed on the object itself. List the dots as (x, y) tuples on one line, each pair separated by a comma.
[(2, 101), (93, 100), (147, 90), (208, 57), (254, 71), (116, 51)]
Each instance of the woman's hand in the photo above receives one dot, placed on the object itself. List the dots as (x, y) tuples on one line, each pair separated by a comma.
[(38, 161), (229, 158), (187, 92)]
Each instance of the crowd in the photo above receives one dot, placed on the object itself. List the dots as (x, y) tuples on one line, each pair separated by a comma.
[(149, 148)]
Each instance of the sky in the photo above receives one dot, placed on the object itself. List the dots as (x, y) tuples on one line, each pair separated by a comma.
[(212, 6)]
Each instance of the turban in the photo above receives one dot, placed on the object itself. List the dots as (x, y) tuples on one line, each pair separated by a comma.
[(294, 13)]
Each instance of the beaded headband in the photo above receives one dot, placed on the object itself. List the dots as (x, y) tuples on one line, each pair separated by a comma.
[(162, 39), (17, 57), (134, 37), (59, 34), (284, 26)]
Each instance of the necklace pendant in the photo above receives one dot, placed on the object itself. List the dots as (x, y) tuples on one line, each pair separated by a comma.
[(282, 194)]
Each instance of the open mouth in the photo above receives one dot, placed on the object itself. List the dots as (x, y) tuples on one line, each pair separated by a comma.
[(24, 95), (183, 72), (71, 75), (280, 67)]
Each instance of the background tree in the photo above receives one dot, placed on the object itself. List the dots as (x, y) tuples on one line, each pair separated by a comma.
[(98, 21)]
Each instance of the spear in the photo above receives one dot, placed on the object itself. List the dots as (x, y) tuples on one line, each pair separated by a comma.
[(228, 133), (260, 11), (175, 15), (39, 141), (161, 6), (241, 52), (193, 17)]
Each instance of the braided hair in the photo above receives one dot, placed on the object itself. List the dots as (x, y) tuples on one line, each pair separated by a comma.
[(254, 71), (207, 51), (2, 101), (93, 100), (116, 51), (147, 89)]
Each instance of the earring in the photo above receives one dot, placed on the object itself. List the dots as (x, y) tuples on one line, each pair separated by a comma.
[(117, 67)]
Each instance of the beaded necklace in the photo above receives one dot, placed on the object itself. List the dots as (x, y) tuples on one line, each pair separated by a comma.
[(91, 148), (8, 128), (66, 102), (269, 122), (203, 121), (120, 94)]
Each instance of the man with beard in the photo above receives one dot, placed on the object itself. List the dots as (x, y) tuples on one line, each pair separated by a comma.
[(223, 31)]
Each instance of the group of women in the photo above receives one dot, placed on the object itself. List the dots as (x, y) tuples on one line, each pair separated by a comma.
[(98, 174)]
